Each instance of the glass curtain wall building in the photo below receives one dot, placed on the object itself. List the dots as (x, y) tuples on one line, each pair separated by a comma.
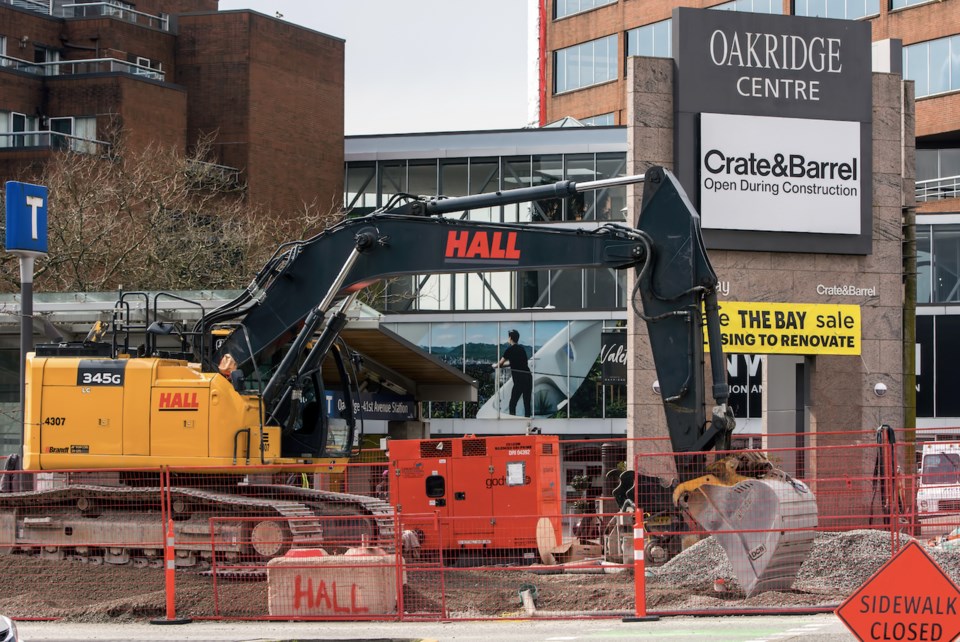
[(563, 316)]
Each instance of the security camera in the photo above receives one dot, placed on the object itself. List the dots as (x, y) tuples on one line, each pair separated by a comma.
[(880, 389), (656, 387)]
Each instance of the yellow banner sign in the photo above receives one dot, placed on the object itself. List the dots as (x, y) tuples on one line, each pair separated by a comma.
[(789, 328)]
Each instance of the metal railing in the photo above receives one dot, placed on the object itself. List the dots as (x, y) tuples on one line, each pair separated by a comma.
[(109, 9), (40, 6), (58, 141), (78, 67), (211, 174), (92, 10), (938, 189)]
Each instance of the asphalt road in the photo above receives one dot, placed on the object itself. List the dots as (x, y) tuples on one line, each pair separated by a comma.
[(809, 628)]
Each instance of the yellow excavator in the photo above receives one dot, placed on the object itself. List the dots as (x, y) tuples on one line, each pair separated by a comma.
[(115, 413)]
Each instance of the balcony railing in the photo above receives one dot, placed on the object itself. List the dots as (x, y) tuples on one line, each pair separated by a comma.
[(45, 139), (40, 6), (77, 67), (93, 9), (109, 9), (937, 189)]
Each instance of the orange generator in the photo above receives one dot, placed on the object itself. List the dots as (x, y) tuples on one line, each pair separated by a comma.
[(497, 498)]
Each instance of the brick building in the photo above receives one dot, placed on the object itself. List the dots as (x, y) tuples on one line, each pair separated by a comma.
[(584, 49), (269, 92)]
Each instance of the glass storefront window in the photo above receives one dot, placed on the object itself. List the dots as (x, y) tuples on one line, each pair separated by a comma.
[(546, 170), (946, 263), (551, 369), (447, 344), (485, 178), (502, 290), (610, 202), (516, 173), (422, 178), (480, 353), (393, 180), (580, 168), (361, 189), (453, 177), (924, 271), (651, 40), (600, 289)]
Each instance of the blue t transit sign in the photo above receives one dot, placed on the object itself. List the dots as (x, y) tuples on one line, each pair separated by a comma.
[(26, 218)]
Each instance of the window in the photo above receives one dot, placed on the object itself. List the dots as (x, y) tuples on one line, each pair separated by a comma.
[(941, 468), (924, 282), (842, 9), (60, 126), (938, 174), (602, 120), (361, 188), (4, 61), (47, 55), (21, 123), (752, 6), (933, 66), (590, 63), (901, 4), (946, 263), (651, 40), (564, 8)]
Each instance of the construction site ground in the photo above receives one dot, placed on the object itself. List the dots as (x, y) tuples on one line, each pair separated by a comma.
[(839, 563)]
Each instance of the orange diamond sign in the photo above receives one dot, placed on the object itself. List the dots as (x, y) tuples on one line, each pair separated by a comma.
[(910, 599)]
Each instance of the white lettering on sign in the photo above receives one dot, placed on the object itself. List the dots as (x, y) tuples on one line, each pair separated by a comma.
[(34, 202), (775, 51), (845, 290), (613, 354)]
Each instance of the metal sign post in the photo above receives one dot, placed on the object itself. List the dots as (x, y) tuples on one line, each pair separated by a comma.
[(27, 238)]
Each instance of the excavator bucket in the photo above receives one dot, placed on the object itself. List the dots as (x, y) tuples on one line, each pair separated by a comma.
[(766, 526)]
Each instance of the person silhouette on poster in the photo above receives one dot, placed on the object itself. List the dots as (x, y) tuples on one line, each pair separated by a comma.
[(516, 356)]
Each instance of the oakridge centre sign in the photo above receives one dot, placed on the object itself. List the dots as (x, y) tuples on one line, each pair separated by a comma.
[(748, 50), (773, 129)]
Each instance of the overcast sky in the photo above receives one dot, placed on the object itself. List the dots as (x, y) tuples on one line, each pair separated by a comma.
[(422, 65)]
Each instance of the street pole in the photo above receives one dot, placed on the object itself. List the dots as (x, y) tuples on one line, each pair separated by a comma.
[(26, 207), (26, 338)]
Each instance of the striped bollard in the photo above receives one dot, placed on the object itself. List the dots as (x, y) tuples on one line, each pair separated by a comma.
[(170, 569), (639, 579)]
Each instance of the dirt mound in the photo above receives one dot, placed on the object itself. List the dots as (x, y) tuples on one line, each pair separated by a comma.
[(75, 591)]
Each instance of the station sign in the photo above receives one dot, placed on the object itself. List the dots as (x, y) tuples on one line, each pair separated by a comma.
[(909, 598), (789, 328), (26, 218), (380, 406)]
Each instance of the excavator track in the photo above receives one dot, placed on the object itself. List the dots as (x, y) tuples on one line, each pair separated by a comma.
[(253, 523)]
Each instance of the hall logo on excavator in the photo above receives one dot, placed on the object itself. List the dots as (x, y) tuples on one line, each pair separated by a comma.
[(467, 246), (178, 401)]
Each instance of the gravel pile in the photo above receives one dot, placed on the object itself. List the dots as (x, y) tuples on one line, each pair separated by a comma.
[(838, 564)]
